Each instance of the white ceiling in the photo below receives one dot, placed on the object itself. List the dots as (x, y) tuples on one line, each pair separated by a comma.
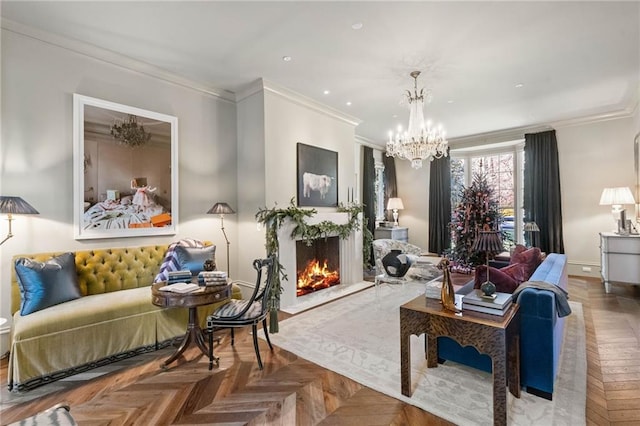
[(574, 59)]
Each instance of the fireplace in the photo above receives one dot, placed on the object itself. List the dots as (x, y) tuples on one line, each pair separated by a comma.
[(317, 265), (349, 265)]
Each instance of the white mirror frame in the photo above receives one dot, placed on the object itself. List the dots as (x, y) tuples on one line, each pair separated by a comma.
[(94, 230)]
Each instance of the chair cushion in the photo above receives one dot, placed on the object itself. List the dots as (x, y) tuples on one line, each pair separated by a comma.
[(234, 307), (44, 284)]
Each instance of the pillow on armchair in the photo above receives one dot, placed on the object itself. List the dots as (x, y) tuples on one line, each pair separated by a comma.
[(506, 279), (531, 258)]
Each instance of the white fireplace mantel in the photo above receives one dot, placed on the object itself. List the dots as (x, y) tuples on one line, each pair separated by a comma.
[(351, 276)]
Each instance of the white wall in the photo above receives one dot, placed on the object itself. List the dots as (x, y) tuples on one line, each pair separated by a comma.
[(413, 188), (36, 155), (267, 153), (592, 156)]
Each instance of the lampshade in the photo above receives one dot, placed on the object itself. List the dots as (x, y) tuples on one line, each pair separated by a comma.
[(15, 205), (616, 196), (531, 227), (488, 241), (395, 203), (221, 208)]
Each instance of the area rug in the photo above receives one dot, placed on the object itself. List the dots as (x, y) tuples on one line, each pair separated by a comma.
[(359, 337)]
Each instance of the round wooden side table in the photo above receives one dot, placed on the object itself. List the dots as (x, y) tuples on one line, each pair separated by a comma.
[(202, 296)]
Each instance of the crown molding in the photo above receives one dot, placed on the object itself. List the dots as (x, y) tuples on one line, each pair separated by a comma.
[(361, 140), (517, 133), (113, 58), (295, 97)]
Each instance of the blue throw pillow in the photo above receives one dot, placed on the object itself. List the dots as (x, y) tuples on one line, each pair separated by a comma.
[(44, 284), (192, 258)]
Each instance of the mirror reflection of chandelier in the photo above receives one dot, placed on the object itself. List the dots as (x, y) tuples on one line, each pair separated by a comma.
[(420, 141), (129, 132)]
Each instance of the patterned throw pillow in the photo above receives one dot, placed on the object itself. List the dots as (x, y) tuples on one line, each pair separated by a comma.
[(44, 284), (193, 258)]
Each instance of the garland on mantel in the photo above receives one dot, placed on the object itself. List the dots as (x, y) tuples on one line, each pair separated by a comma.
[(272, 219)]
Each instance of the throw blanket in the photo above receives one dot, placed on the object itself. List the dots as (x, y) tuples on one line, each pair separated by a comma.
[(562, 305), (170, 262)]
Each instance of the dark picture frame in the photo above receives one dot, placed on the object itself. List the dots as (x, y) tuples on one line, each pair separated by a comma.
[(317, 175)]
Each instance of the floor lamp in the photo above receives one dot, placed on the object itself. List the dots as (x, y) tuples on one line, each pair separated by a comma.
[(11, 206), (222, 209)]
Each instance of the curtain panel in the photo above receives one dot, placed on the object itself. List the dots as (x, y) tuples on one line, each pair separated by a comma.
[(439, 205), (542, 203), (368, 189), (390, 186)]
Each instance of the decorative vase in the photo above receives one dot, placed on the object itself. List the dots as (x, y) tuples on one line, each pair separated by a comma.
[(447, 294), (488, 288), (396, 263), (209, 265)]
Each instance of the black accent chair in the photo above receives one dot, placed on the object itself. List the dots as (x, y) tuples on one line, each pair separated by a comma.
[(240, 313)]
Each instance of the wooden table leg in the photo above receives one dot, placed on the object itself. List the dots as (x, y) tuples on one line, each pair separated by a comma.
[(405, 361), (432, 351), (194, 333), (500, 383)]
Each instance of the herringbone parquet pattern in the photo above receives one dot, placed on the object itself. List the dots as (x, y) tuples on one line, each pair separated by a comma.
[(293, 391)]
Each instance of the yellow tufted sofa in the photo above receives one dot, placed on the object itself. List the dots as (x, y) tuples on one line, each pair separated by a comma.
[(114, 318)]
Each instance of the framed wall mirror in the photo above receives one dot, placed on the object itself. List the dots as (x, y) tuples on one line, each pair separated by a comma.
[(125, 170), (636, 158)]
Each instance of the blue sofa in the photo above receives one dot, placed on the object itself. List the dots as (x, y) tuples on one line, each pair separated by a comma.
[(541, 332)]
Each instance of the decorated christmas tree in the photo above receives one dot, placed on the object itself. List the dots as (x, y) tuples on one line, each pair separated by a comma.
[(477, 207)]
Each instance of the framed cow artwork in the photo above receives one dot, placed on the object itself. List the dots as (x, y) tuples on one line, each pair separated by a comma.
[(317, 176)]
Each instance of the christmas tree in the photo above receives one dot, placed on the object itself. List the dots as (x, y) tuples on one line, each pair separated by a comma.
[(477, 207)]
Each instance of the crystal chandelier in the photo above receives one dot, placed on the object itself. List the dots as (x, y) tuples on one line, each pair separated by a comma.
[(130, 133), (420, 141)]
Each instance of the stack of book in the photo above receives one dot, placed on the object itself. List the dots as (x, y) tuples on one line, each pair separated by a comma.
[(208, 278), (434, 288), (179, 277), (496, 304)]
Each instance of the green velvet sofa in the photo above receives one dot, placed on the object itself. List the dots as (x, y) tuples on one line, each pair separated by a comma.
[(113, 319)]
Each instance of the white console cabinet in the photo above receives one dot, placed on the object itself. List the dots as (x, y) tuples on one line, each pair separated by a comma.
[(620, 259)]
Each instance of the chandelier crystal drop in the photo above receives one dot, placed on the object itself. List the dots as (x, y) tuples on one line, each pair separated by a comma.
[(420, 141), (130, 133)]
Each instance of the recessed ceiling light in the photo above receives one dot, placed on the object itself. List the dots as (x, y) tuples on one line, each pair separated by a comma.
[(449, 101), (519, 85), (357, 26), (395, 116), (326, 92), (348, 103), (286, 58)]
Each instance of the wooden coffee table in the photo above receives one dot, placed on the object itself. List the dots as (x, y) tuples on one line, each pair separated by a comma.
[(496, 336), (202, 296)]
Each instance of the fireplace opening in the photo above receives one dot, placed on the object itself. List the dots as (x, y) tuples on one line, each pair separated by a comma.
[(317, 265)]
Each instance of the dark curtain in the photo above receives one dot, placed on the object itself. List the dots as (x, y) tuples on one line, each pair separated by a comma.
[(368, 188), (390, 187), (542, 190), (439, 205)]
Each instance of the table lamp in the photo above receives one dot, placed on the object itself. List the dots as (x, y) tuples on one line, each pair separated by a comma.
[(11, 206), (395, 204), (616, 198), (489, 242), (222, 209), (530, 228)]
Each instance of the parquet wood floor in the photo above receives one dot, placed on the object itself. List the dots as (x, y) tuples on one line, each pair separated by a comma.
[(292, 391)]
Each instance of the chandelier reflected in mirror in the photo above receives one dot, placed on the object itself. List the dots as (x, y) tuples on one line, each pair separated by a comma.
[(420, 141), (129, 132)]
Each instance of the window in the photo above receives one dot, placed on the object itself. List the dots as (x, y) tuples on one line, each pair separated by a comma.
[(502, 165)]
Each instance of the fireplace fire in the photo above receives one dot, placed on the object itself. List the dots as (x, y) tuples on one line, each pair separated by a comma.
[(316, 277), (317, 265)]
